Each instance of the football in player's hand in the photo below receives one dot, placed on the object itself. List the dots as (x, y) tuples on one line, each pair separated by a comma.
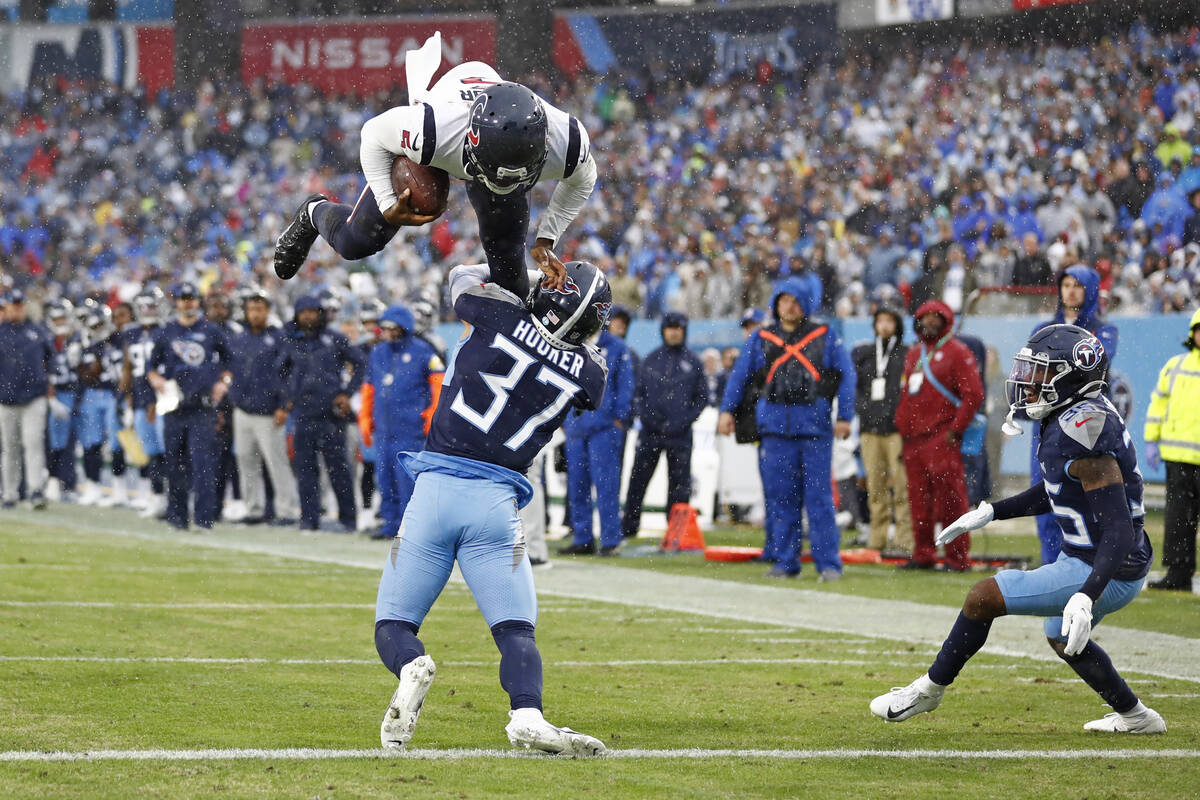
[(429, 186)]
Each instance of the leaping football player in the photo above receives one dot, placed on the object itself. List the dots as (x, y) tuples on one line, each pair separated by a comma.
[(1092, 485), (511, 383), (499, 137)]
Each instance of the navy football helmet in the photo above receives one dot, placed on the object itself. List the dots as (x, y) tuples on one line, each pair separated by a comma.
[(149, 305), (567, 317), (1060, 365), (60, 317), (506, 141)]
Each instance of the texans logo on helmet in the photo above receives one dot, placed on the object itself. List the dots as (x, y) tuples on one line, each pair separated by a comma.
[(473, 137), (1088, 353), (568, 289)]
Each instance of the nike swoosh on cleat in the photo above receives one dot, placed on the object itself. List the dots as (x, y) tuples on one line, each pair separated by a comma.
[(891, 714)]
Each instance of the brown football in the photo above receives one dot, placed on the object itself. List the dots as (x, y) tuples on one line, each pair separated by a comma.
[(430, 186)]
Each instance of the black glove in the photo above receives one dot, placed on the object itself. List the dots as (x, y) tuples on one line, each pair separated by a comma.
[(831, 381)]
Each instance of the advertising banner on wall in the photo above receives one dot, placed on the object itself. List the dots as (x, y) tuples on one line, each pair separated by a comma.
[(898, 12), (358, 56), (710, 43), (127, 55)]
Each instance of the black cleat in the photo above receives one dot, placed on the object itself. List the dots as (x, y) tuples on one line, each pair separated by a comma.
[(578, 549), (292, 246), (912, 564), (610, 550), (1171, 583)]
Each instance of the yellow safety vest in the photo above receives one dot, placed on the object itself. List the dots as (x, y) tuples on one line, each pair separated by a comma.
[(1173, 419)]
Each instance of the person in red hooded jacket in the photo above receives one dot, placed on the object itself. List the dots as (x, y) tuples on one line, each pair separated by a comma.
[(931, 425)]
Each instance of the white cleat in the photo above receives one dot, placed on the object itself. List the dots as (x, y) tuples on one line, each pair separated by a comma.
[(400, 719), (899, 704), (1149, 722), (90, 494), (528, 730), (155, 506)]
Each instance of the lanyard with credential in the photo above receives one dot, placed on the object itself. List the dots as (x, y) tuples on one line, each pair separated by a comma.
[(925, 354), (882, 357)]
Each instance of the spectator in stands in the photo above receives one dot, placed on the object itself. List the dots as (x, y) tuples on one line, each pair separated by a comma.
[(399, 395), (593, 450), (316, 360), (671, 391), (805, 367), (948, 281), (25, 390), (259, 399), (882, 259), (879, 366), (1031, 268), (1172, 436), (942, 392), (193, 354), (1078, 304), (1130, 191)]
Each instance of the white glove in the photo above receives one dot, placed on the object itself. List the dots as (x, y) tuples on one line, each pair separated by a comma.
[(1077, 623), (59, 409), (973, 519)]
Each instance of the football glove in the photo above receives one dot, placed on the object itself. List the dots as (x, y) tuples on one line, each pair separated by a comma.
[(973, 519), (1153, 457), (1077, 623)]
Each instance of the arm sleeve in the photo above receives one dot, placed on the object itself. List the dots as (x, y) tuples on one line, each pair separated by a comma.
[(568, 200), (970, 390), (465, 276), (1029, 503), (1110, 506), (840, 357), (383, 139), (1156, 413), (435, 395), (743, 368)]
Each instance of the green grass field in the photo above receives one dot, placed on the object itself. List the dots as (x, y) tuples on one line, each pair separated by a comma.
[(118, 636)]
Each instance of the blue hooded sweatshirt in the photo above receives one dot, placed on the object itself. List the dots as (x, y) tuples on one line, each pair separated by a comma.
[(803, 419), (1089, 314), (618, 392)]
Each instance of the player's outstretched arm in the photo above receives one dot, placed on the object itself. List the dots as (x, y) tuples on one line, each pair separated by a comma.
[(1028, 503), (383, 138)]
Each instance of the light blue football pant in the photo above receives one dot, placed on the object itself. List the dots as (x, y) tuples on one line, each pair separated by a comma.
[(151, 433), (1043, 592), (97, 415), (473, 520), (59, 430)]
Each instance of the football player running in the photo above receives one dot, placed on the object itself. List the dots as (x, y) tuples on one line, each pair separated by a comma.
[(513, 380), (1092, 485), (499, 137)]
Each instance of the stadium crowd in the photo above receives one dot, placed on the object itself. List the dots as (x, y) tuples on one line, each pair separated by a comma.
[(889, 178)]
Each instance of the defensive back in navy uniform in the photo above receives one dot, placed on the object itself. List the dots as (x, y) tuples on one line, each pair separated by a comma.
[(508, 388), (1089, 428)]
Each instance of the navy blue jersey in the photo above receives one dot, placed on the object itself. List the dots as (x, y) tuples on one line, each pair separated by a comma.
[(100, 354), (138, 341), (1091, 428), (64, 362), (195, 356), (507, 389)]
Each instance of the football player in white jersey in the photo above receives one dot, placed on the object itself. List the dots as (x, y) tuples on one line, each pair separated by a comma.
[(499, 137)]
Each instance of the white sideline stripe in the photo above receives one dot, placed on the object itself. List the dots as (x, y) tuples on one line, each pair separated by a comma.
[(220, 606), (693, 754)]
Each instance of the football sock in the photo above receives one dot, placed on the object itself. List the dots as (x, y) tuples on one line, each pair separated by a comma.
[(397, 643), (92, 459), (520, 663), (313, 206), (1098, 672), (118, 463), (964, 641)]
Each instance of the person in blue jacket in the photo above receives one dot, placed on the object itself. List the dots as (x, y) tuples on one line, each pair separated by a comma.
[(671, 391), (1078, 304), (399, 395), (324, 370), (804, 367), (25, 391), (593, 449), (193, 353)]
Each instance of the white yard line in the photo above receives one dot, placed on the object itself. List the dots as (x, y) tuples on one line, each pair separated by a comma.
[(1136, 652), (690, 754)]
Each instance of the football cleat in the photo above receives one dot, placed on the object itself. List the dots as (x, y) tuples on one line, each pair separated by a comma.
[(292, 246), (900, 703), (400, 719), (528, 730), (1149, 722)]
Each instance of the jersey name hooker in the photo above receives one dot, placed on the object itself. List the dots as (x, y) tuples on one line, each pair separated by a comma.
[(1092, 428), (508, 389)]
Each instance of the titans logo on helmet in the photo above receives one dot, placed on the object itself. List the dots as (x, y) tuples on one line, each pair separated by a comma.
[(569, 288), (1088, 353)]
